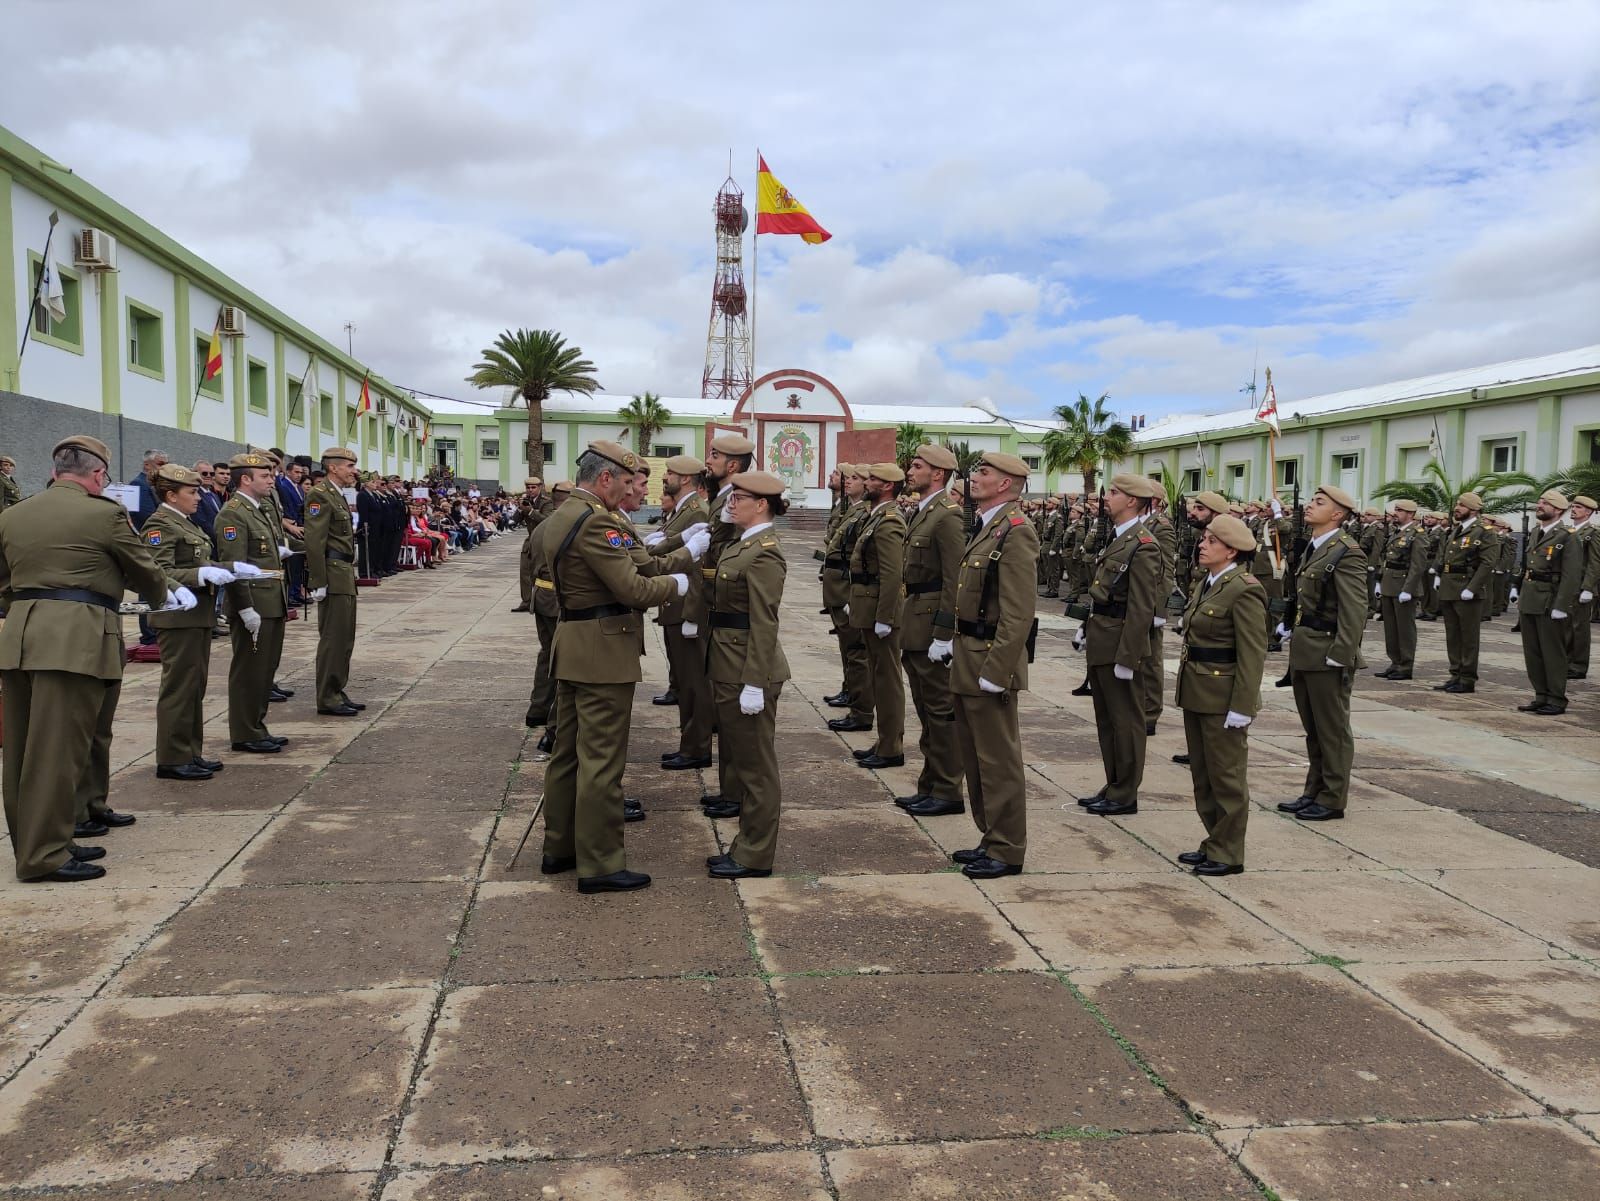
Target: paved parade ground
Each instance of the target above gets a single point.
(314, 977)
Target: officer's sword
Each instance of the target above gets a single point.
(537, 810)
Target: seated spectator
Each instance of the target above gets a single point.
(429, 543)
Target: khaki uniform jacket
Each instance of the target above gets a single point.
(835, 556)
(1230, 617)
(1405, 561)
(1591, 569)
(10, 494)
(879, 556)
(181, 548)
(328, 528)
(836, 515)
(1373, 539)
(1002, 659)
(285, 538)
(1555, 571)
(933, 557)
(1127, 574)
(1332, 593)
(544, 590)
(749, 580)
(1463, 563)
(597, 569)
(692, 607)
(247, 533)
(1160, 525)
(65, 538)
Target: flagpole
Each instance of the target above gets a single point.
(1272, 473)
(356, 416)
(33, 297)
(755, 267)
(310, 360)
(200, 383)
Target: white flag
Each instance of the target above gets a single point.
(1267, 414)
(1435, 451)
(308, 388)
(51, 296)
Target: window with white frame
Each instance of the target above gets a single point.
(1502, 454)
(489, 448)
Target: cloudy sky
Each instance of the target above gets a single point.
(1028, 200)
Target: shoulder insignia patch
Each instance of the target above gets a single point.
(230, 533)
(1017, 520)
(627, 540)
(153, 537)
(614, 537)
(314, 509)
(1145, 538)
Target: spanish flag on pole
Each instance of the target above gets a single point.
(214, 352)
(778, 212)
(364, 405)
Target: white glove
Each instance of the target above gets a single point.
(847, 610)
(689, 630)
(215, 575)
(1121, 672)
(246, 571)
(1377, 590)
(655, 539)
(751, 700)
(1513, 597)
(698, 543)
(881, 630)
(1466, 594)
(698, 527)
(251, 620)
(1403, 597)
(1585, 597)
(1283, 630)
(1435, 576)
(988, 687)
(1158, 622)
(1555, 614)
(183, 598)
(1333, 663)
(682, 581)
(940, 649)
(1277, 511)
(283, 553)
(318, 594)
(1078, 639)
(1235, 721)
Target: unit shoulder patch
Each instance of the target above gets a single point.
(314, 509)
(230, 533)
(153, 537)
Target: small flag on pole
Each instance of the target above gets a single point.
(1267, 414)
(365, 403)
(1435, 449)
(214, 352)
(778, 212)
(427, 428)
(52, 297)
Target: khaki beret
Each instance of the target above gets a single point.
(264, 453)
(1129, 484)
(733, 444)
(1214, 501)
(1371, 513)
(1405, 506)
(759, 483)
(845, 469)
(1586, 501)
(889, 472)
(685, 465)
(177, 473)
(859, 469)
(1230, 531)
(533, 481)
(1235, 508)
(86, 444)
(1008, 464)
(644, 466)
(1338, 496)
(615, 453)
(937, 456)
(343, 453)
(1471, 501)
(1556, 498)
(561, 487)
(250, 458)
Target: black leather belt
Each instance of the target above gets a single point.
(1210, 654)
(1543, 577)
(729, 621)
(863, 577)
(1453, 571)
(976, 629)
(1108, 609)
(339, 556)
(81, 595)
(594, 611)
(924, 588)
(1320, 624)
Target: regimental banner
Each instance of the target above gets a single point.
(792, 456)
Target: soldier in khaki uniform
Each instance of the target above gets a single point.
(10, 494)
(248, 530)
(1374, 538)
(533, 506)
(1405, 564)
(1219, 691)
(934, 540)
(877, 565)
(856, 692)
(1153, 673)
(182, 550)
(996, 596)
(1325, 652)
(596, 662)
(747, 669)
(330, 542)
(546, 612)
(1581, 515)
(683, 620)
(66, 557)
(1549, 597)
(1462, 576)
(1116, 641)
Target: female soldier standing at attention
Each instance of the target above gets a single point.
(1219, 689)
(747, 669)
(183, 551)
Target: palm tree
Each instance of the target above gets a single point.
(1581, 479)
(534, 364)
(908, 435)
(649, 414)
(1172, 488)
(967, 461)
(1502, 491)
(1089, 435)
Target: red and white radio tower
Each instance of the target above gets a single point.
(727, 373)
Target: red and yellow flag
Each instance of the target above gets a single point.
(427, 428)
(365, 403)
(778, 212)
(214, 352)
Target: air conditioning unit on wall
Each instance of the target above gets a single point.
(232, 321)
(383, 404)
(96, 250)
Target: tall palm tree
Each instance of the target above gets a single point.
(534, 364)
(1581, 479)
(649, 414)
(908, 435)
(1502, 491)
(1090, 435)
(967, 461)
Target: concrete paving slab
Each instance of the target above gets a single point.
(1466, 792)
(668, 843)
(1059, 840)
(302, 938)
(166, 1089)
(326, 1186)
(1537, 1023)
(163, 851)
(1537, 1160)
(348, 846)
(963, 1056)
(441, 786)
(1114, 920)
(25, 1025)
(1574, 835)
(1435, 838)
(761, 1176)
(248, 784)
(614, 1068)
(928, 923)
(1384, 917)
(1560, 905)
(1273, 842)
(531, 932)
(56, 947)
(841, 842)
(1233, 1043)
(840, 785)
(1147, 1167)
(392, 744)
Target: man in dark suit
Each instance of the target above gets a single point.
(293, 503)
(154, 460)
(210, 501)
